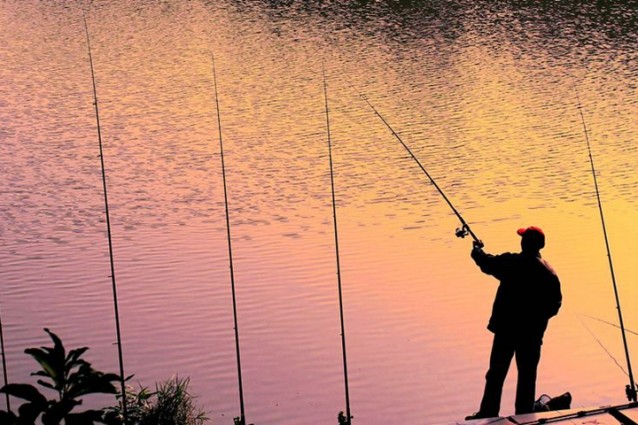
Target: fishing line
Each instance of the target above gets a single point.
(460, 232)
(603, 346)
(348, 417)
(108, 225)
(241, 420)
(4, 363)
(609, 323)
(630, 389)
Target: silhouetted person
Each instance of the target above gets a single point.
(527, 297)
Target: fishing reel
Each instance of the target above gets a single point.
(462, 232)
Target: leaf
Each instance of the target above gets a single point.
(74, 355)
(80, 364)
(92, 383)
(26, 392)
(111, 376)
(58, 355)
(58, 346)
(51, 360)
(45, 384)
(43, 358)
(49, 364)
(57, 411)
(36, 402)
(112, 417)
(8, 418)
(28, 414)
(88, 417)
(76, 378)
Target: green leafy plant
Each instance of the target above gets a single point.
(70, 376)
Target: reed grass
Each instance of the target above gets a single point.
(170, 404)
(174, 405)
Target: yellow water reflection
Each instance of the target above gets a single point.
(484, 97)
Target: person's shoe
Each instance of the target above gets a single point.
(477, 415)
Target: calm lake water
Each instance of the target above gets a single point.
(484, 92)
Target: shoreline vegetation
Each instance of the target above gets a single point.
(70, 377)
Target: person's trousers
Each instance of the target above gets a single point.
(527, 354)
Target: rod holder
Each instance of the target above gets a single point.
(342, 419)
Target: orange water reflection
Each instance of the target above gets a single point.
(491, 114)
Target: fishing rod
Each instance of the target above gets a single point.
(108, 225)
(343, 420)
(630, 389)
(4, 363)
(464, 230)
(614, 411)
(241, 420)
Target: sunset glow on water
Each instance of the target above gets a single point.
(485, 94)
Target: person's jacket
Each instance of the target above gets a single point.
(528, 296)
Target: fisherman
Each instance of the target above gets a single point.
(527, 297)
